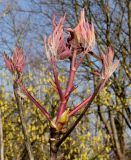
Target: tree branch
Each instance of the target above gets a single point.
(119, 152)
(19, 103)
(1, 138)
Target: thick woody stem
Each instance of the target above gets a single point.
(54, 137)
(53, 155)
(57, 83)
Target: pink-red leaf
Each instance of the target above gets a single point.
(55, 46)
(18, 59)
(108, 66)
(8, 62)
(83, 34)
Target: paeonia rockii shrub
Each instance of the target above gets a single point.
(79, 42)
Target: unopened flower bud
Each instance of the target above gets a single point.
(64, 117)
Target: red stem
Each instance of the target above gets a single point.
(79, 106)
(71, 75)
(87, 100)
(82, 114)
(69, 87)
(38, 105)
(55, 73)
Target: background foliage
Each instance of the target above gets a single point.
(104, 132)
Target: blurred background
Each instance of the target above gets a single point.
(105, 131)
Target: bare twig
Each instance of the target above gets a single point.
(1, 138)
(19, 103)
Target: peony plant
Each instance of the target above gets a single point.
(75, 46)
